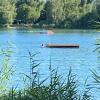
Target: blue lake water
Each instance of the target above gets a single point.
(81, 60)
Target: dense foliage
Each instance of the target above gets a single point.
(52, 13)
(70, 13)
(28, 11)
(7, 12)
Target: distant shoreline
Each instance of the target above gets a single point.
(43, 26)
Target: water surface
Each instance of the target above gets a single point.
(81, 60)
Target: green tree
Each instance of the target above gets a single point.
(28, 11)
(7, 12)
(87, 15)
(54, 12)
(68, 13)
(71, 12)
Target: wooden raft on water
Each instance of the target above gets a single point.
(61, 45)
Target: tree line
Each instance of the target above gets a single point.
(50, 13)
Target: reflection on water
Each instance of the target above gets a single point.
(81, 60)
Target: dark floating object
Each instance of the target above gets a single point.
(61, 45)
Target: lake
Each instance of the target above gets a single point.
(81, 60)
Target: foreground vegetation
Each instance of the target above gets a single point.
(54, 87)
(52, 13)
(55, 90)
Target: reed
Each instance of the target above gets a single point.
(56, 89)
